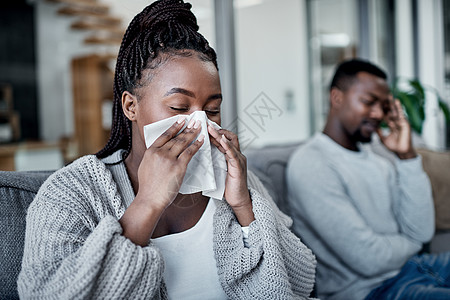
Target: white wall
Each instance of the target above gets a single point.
(57, 45)
(203, 10)
(272, 59)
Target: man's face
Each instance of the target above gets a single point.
(364, 105)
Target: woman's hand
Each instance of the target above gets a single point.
(165, 162)
(236, 189)
(160, 175)
(399, 139)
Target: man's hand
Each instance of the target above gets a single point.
(399, 139)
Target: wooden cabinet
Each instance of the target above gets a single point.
(9, 118)
(93, 79)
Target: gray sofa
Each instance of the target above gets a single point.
(269, 164)
(17, 190)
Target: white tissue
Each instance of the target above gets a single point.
(207, 170)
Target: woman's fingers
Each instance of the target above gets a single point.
(215, 138)
(236, 189)
(169, 133)
(190, 151)
(218, 135)
(231, 137)
(226, 142)
(230, 151)
(180, 142)
(233, 155)
(174, 142)
(163, 168)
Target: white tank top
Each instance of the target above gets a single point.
(190, 268)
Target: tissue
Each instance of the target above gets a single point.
(207, 170)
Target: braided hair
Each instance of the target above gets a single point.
(164, 29)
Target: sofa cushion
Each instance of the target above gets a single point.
(437, 166)
(17, 190)
(269, 164)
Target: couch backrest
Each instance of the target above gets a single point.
(269, 164)
(17, 190)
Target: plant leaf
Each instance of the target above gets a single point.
(410, 106)
(418, 89)
(445, 110)
(413, 99)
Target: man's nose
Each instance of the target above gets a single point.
(377, 112)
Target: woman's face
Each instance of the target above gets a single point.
(181, 85)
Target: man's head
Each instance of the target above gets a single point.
(359, 100)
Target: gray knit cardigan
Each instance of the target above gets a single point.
(74, 248)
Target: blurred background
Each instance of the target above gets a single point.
(276, 59)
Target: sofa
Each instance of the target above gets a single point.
(269, 164)
(17, 190)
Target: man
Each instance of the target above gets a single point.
(365, 217)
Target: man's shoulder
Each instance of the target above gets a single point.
(312, 151)
(310, 161)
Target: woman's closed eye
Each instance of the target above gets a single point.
(181, 109)
(212, 112)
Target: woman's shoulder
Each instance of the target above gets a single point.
(84, 169)
(86, 179)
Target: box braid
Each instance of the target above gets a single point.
(162, 30)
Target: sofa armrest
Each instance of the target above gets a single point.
(17, 191)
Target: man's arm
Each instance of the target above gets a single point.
(413, 204)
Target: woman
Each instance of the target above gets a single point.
(114, 226)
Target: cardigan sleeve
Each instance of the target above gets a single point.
(74, 248)
(274, 256)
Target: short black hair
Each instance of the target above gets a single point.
(347, 71)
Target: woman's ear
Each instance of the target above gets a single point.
(129, 102)
(336, 97)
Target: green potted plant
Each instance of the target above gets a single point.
(411, 94)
